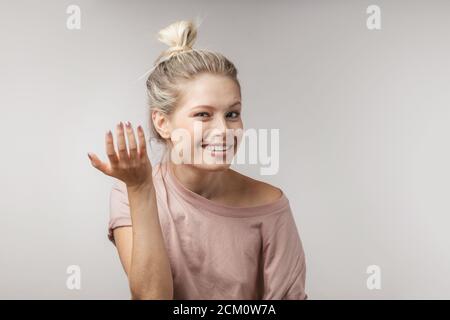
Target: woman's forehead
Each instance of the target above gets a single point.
(213, 92)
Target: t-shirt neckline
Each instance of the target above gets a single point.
(222, 209)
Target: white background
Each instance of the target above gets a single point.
(363, 118)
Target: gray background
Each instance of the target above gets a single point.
(364, 134)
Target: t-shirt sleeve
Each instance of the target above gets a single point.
(284, 261)
(119, 209)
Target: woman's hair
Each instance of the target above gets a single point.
(181, 63)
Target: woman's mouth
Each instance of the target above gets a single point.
(217, 149)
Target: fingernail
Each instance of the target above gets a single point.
(89, 155)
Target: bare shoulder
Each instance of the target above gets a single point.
(257, 192)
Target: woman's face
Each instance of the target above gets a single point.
(207, 121)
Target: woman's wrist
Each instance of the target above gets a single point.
(142, 202)
(145, 188)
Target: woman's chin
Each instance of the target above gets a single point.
(214, 163)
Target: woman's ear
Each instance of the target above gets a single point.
(161, 123)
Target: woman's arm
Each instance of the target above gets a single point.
(150, 276)
(123, 238)
(141, 247)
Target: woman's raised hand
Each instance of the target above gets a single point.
(132, 164)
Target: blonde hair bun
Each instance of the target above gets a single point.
(179, 36)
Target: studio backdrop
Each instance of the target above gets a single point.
(358, 92)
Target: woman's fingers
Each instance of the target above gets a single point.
(131, 142)
(142, 142)
(98, 164)
(125, 156)
(110, 150)
(121, 143)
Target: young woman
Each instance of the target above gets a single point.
(190, 229)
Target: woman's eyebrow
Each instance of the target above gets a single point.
(211, 107)
(234, 104)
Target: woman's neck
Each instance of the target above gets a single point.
(209, 184)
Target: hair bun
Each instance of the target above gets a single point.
(179, 36)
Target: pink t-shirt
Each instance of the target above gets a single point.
(218, 251)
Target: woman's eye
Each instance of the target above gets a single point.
(200, 114)
(236, 114)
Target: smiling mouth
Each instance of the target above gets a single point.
(217, 147)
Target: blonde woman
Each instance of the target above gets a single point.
(197, 230)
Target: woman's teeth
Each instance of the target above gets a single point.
(217, 148)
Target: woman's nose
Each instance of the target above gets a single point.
(220, 124)
(217, 129)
